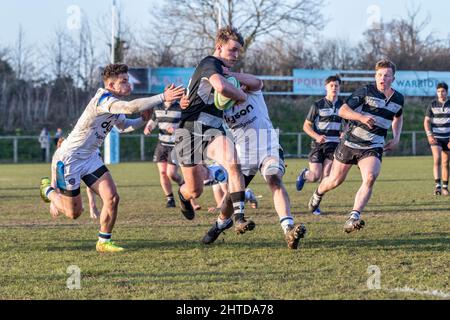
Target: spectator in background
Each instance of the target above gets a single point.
(44, 140)
(58, 135)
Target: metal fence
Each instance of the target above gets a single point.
(137, 147)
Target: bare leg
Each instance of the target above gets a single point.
(106, 188)
(223, 152)
(445, 165)
(337, 175)
(370, 169)
(436, 151)
(327, 167)
(314, 172)
(164, 178)
(280, 195)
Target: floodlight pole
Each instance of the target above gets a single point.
(113, 32)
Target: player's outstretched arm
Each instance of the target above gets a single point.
(139, 105)
(129, 125)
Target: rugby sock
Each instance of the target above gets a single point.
(238, 200)
(221, 224)
(320, 195)
(286, 223)
(104, 237)
(48, 190)
(355, 214)
(438, 183)
(445, 184)
(169, 197)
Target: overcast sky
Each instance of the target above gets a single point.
(347, 18)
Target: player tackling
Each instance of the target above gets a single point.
(77, 159)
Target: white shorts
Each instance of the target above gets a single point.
(267, 162)
(70, 170)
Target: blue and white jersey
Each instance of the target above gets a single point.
(92, 127)
(254, 135)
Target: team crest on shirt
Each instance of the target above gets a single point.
(72, 181)
(374, 102)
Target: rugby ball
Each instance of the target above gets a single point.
(224, 103)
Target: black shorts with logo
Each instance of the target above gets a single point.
(349, 155)
(443, 143)
(164, 153)
(192, 141)
(322, 151)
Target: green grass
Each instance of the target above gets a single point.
(407, 236)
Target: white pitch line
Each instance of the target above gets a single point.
(435, 293)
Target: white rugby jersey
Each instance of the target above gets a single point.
(92, 127)
(252, 130)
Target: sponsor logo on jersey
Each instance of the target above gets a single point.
(241, 113)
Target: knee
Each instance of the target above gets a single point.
(274, 182)
(112, 200)
(74, 213)
(195, 191)
(314, 176)
(163, 174)
(370, 179)
(172, 175)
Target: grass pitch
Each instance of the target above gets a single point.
(407, 236)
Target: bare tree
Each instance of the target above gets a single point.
(22, 56)
(61, 54)
(335, 54)
(400, 40)
(195, 22)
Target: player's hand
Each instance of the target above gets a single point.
(146, 115)
(432, 140)
(368, 121)
(94, 213)
(213, 210)
(173, 93)
(242, 98)
(170, 130)
(184, 102)
(147, 129)
(391, 145)
(321, 139)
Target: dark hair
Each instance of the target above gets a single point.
(385, 63)
(442, 85)
(228, 33)
(114, 70)
(333, 79)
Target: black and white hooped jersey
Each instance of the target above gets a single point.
(201, 95)
(166, 118)
(369, 101)
(440, 118)
(325, 118)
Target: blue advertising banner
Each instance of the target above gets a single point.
(409, 83)
(161, 77)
